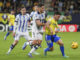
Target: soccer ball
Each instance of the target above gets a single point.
(74, 45)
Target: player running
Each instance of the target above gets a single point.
(51, 34)
(43, 16)
(38, 23)
(21, 21)
(11, 19)
(35, 9)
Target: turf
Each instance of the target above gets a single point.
(19, 54)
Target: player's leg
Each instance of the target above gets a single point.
(49, 44)
(14, 43)
(35, 41)
(12, 46)
(34, 45)
(62, 48)
(38, 42)
(40, 38)
(28, 42)
(34, 48)
(61, 44)
(8, 33)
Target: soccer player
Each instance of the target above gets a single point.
(11, 19)
(20, 28)
(35, 9)
(38, 23)
(51, 34)
(33, 13)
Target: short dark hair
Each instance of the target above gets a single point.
(40, 5)
(57, 13)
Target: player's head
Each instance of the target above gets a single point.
(12, 12)
(57, 15)
(23, 10)
(41, 7)
(35, 8)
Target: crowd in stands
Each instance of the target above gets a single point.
(67, 6)
(7, 5)
(71, 6)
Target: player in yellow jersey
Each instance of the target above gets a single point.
(11, 19)
(51, 34)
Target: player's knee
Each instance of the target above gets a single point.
(61, 44)
(34, 42)
(39, 42)
(15, 42)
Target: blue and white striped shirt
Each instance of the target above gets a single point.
(21, 23)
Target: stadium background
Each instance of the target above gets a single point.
(68, 8)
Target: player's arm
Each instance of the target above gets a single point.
(48, 26)
(58, 29)
(15, 25)
(39, 23)
(29, 21)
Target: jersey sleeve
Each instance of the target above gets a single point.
(31, 14)
(15, 23)
(29, 18)
(36, 17)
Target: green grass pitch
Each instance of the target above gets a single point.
(19, 54)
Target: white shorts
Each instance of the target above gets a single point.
(22, 34)
(37, 36)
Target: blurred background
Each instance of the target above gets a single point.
(69, 9)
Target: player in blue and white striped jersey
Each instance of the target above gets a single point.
(35, 9)
(38, 23)
(34, 15)
(20, 28)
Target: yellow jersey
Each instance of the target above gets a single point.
(53, 25)
(12, 19)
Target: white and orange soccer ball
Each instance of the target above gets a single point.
(74, 45)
